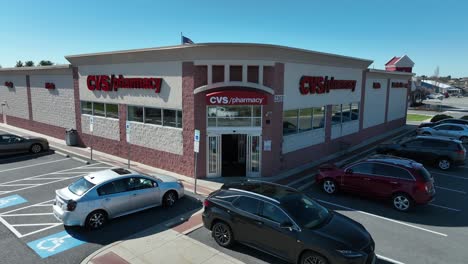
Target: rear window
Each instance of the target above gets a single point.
(425, 174)
(80, 186)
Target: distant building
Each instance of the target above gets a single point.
(402, 64)
(438, 87)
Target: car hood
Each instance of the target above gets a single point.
(345, 231)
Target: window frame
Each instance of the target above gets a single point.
(236, 201)
(93, 112)
(253, 118)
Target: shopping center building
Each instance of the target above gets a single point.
(260, 109)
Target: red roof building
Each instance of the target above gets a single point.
(403, 64)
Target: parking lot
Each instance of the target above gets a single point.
(436, 233)
(31, 234)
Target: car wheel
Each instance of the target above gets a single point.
(464, 140)
(444, 164)
(313, 258)
(222, 234)
(426, 134)
(329, 186)
(96, 220)
(36, 148)
(169, 199)
(402, 202)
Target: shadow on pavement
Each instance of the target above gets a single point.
(24, 156)
(131, 225)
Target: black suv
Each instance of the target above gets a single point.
(285, 223)
(445, 121)
(442, 152)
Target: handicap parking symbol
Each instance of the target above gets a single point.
(11, 200)
(54, 244)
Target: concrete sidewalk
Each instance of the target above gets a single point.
(161, 244)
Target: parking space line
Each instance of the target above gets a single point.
(40, 230)
(27, 214)
(389, 259)
(444, 207)
(54, 180)
(12, 229)
(452, 190)
(41, 224)
(18, 184)
(67, 172)
(29, 206)
(448, 175)
(385, 218)
(33, 165)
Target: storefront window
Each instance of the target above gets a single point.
(319, 118)
(355, 111)
(135, 113)
(86, 108)
(99, 109)
(153, 116)
(346, 112)
(232, 116)
(169, 118)
(179, 119)
(336, 115)
(305, 119)
(290, 122)
(112, 111)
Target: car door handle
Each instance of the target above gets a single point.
(393, 182)
(259, 223)
(108, 199)
(134, 194)
(367, 179)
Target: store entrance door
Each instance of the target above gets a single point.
(233, 155)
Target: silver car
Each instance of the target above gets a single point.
(12, 144)
(454, 131)
(100, 196)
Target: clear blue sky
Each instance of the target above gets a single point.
(430, 32)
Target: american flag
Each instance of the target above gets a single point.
(186, 40)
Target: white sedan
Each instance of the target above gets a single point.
(100, 196)
(455, 131)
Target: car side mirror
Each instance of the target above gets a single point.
(287, 225)
(349, 171)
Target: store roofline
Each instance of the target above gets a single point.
(220, 44)
(391, 72)
(37, 68)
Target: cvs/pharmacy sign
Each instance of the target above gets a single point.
(236, 98)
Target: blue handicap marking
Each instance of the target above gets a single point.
(11, 200)
(54, 244)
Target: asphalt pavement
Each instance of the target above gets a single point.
(31, 234)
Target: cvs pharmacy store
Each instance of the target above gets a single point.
(260, 109)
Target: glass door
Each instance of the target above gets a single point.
(214, 156)
(254, 151)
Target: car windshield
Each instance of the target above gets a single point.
(80, 186)
(305, 211)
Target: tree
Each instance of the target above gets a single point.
(29, 63)
(45, 63)
(19, 64)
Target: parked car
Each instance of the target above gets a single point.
(453, 131)
(285, 223)
(442, 152)
(435, 96)
(444, 121)
(100, 196)
(403, 181)
(12, 144)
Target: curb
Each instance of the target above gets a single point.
(163, 225)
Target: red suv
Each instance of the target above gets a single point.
(403, 181)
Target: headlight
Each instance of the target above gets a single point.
(350, 253)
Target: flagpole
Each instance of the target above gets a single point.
(181, 38)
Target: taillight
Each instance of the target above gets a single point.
(422, 186)
(71, 205)
(206, 203)
(460, 152)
